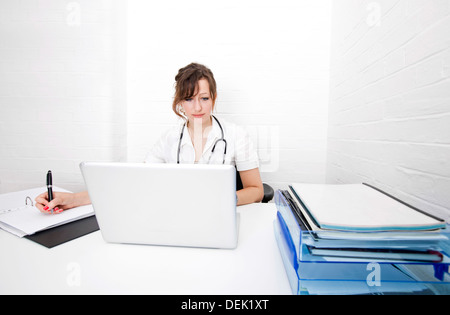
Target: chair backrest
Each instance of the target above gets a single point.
(239, 184)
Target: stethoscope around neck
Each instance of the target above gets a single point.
(215, 143)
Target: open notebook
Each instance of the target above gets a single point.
(360, 208)
(19, 216)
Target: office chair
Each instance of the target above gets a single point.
(268, 191)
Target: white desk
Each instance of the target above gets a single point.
(88, 265)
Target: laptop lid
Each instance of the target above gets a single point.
(164, 204)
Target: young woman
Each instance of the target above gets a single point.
(202, 138)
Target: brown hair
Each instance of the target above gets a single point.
(187, 83)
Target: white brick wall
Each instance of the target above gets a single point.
(64, 78)
(271, 63)
(62, 89)
(67, 94)
(389, 119)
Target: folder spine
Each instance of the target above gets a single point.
(406, 204)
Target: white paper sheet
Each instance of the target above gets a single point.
(21, 219)
(360, 208)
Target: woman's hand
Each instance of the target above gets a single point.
(61, 201)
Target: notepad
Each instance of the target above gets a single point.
(361, 208)
(19, 216)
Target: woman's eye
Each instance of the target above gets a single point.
(205, 99)
(188, 99)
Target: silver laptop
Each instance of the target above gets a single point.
(164, 204)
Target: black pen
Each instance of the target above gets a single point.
(49, 187)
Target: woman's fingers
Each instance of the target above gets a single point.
(43, 205)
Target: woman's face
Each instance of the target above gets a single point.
(200, 106)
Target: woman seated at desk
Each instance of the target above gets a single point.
(201, 139)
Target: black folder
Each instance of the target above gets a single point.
(65, 233)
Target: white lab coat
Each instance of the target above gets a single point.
(241, 151)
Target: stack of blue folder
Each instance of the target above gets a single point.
(354, 261)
